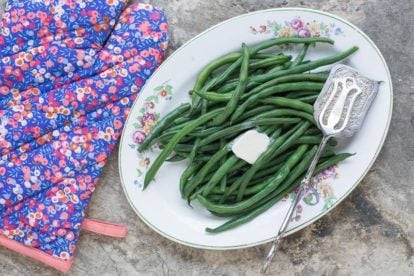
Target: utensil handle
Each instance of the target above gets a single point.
(305, 182)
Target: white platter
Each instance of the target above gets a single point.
(160, 205)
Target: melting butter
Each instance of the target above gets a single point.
(250, 145)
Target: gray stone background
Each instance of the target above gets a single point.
(371, 232)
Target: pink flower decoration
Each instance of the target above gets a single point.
(296, 24)
(304, 33)
(138, 136)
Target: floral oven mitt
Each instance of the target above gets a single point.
(69, 72)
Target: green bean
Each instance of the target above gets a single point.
(216, 81)
(232, 69)
(327, 153)
(214, 96)
(166, 137)
(284, 40)
(290, 141)
(268, 130)
(313, 131)
(214, 198)
(232, 104)
(210, 67)
(252, 189)
(198, 178)
(228, 86)
(249, 216)
(235, 129)
(272, 164)
(308, 99)
(309, 140)
(278, 146)
(270, 43)
(219, 174)
(217, 97)
(256, 72)
(298, 94)
(233, 174)
(313, 77)
(273, 183)
(213, 82)
(270, 61)
(223, 182)
(254, 50)
(285, 112)
(205, 132)
(174, 141)
(238, 166)
(293, 175)
(332, 161)
(298, 173)
(176, 158)
(188, 172)
(244, 218)
(280, 192)
(188, 148)
(278, 159)
(273, 90)
(265, 56)
(304, 67)
(203, 111)
(270, 169)
(290, 103)
(253, 112)
(307, 66)
(278, 68)
(162, 124)
(195, 148)
(263, 175)
(181, 120)
(302, 166)
(203, 158)
(315, 139)
(263, 158)
(178, 126)
(298, 60)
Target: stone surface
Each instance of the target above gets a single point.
(371, 232)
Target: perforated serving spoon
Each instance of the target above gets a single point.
(339, 111)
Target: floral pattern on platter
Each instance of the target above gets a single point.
(297, 27)
(320, 192)
(146, 120)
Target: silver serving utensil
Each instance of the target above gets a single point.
(339, 111)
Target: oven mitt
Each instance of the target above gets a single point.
(69, 72)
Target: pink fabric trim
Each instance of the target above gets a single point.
(104, 228)
(91, 225)
(36, 254)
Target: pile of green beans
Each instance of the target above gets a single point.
(250, 89)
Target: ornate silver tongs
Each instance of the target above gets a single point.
(339, 111)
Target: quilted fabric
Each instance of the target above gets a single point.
(69, 72)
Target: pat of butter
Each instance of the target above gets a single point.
(250, 145)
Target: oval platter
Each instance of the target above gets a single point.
(160, 206)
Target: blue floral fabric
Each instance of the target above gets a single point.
(69, 72)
